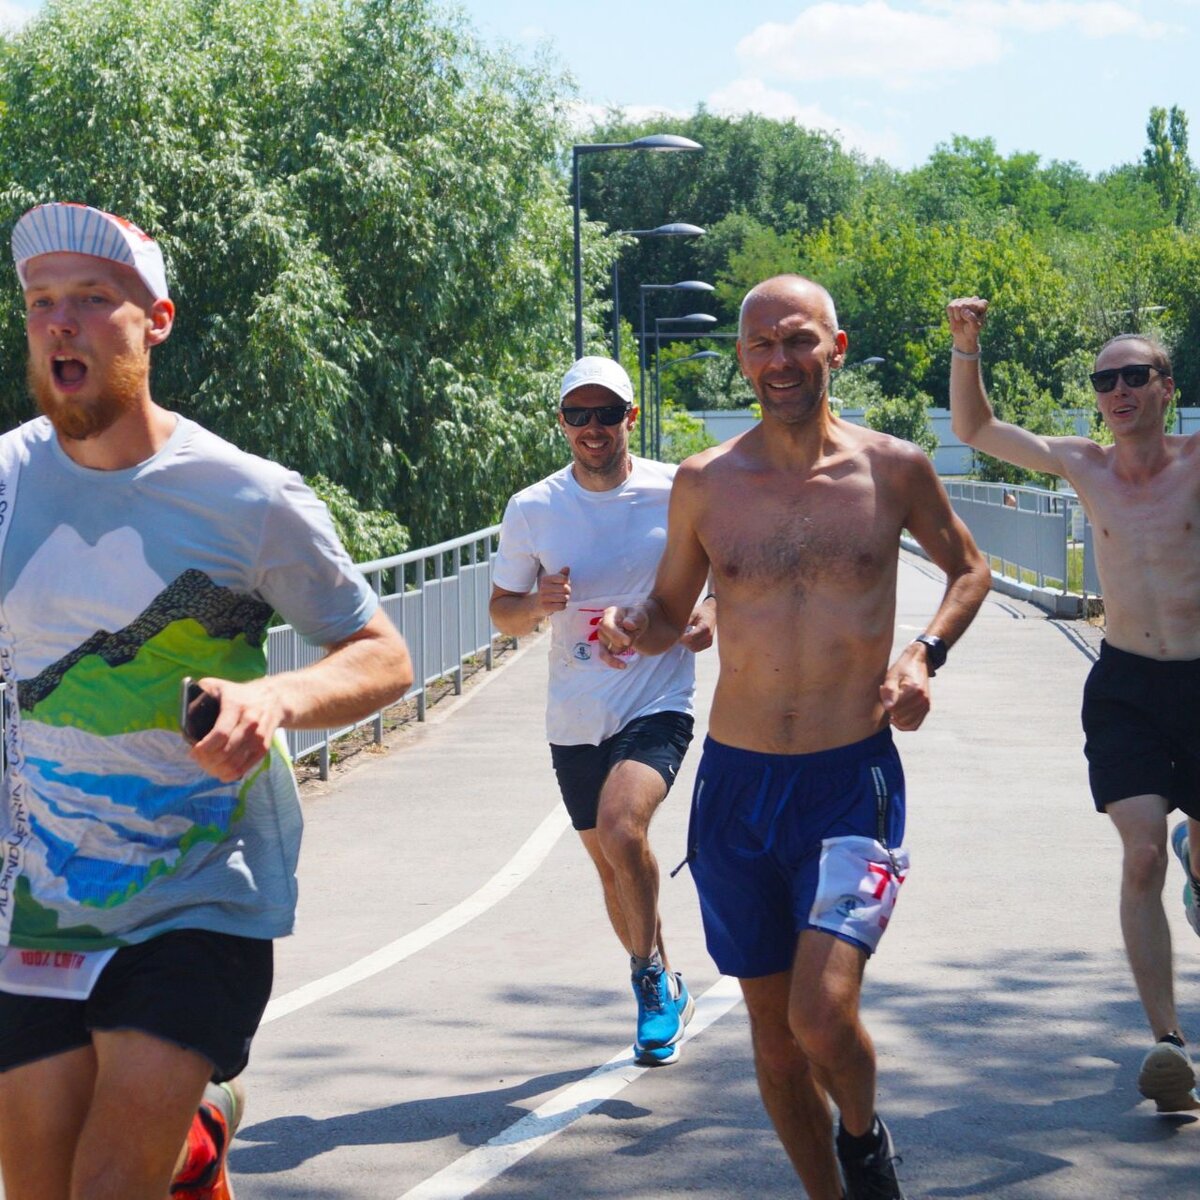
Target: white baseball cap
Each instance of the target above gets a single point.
(606, 372)
(79, 229)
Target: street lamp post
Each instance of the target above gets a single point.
(653, 141)
(675, 362)
(692, 319)
(674, 229)
(684, 285)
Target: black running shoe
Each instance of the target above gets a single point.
(874, 1176)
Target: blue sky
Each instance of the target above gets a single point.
(1067, 79)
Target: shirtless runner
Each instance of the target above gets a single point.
(1142, 496)
(798, 812)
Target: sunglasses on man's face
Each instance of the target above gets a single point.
(1135, 375)
(606, 414)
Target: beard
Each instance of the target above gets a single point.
(608, 467)
(124, 387)
(812, 391)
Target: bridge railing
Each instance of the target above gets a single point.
(437, 597)
(1031, 532)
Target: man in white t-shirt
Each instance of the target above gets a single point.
(582, 539)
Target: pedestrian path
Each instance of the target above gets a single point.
(453, 1015)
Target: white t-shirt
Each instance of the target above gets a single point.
(612, 542)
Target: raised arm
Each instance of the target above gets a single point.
(656, 624)
(971, 415)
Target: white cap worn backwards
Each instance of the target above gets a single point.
(78, 229)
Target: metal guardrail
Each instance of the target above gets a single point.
(437, 597)
(1028, 529)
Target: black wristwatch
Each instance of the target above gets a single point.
(935, 651)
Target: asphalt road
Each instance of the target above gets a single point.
(453, 1016)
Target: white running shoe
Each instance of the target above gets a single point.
(1168, 1078)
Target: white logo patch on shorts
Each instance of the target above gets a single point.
(857, 885)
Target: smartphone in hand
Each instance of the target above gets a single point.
(198, 711)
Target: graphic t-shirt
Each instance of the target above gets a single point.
(113, 586)
(612, 542)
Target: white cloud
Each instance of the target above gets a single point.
(584, 115)
(865, 41)
(879, 40)
(13, 15)
(1092, 18)
(752, 95)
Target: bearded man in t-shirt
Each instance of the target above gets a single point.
(147, 859)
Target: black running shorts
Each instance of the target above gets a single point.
(203, 991)
(659, 740)
(1143, 733)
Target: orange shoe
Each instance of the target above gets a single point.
(206, 1175)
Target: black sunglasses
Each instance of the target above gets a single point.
(606, 414)
(1135, 375)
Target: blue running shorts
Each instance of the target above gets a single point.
(780, 843)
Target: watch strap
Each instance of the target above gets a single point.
(935, 651)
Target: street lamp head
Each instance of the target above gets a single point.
(692, 358)
(873, 361)
(674, 229)
(662, 141)
(684, 285)
(695, 318)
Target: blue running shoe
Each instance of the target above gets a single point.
(1179, 843)
(664, 1009)
(661, 1056)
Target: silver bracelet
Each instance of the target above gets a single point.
(957, 353)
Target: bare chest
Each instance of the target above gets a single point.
(1152, 526)
(824, 535)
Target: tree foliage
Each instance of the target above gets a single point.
(904, 417)
(364, 220)
(367, 222)
(1168, 167)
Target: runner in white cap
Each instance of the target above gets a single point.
(143, 877)
(585, 537)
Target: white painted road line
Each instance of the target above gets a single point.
(479, 1167)
(518, 868)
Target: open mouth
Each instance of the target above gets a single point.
(68, 372)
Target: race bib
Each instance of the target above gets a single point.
(55, 974)
(857, 888)
(581, 636)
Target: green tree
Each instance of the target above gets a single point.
(683, 434)
(754, 173)
(722, 384)
(1168, 166)
(366, 535)
(365, 221)
(904, 417)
